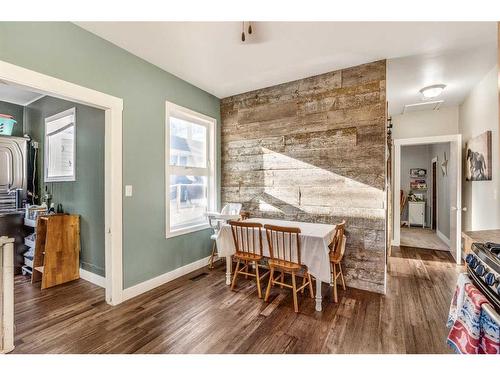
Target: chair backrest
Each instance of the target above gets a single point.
(231, 209)
(284, 243)
(337, 246)
(247, 237)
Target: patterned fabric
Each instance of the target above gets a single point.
(473, 331)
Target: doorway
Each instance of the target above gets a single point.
(427, 201)
(434, 195)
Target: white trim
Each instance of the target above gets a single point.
(186, 230)
(113, 107)
(210, 171)
(6, 294)
(397, 183)
(93, 278)
(445, 239)
(435, 160)
(150, 284)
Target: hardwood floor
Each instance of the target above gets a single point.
(423, 238)
(199, 314)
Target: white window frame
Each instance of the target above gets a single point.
(177, 111)
(72, 177)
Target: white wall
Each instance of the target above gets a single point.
(415, 157)
(426, 123)
(478, 113)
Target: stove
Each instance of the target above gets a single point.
(483, 267)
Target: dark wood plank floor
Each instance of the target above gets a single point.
(199, 314)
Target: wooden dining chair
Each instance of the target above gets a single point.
(248, 245)
(337, 248)
(284, 251)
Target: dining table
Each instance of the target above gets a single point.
(314, 241)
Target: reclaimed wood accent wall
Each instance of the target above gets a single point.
(314, 150)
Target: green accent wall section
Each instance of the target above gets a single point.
(16, 111)
(85, 196)
(65, 51)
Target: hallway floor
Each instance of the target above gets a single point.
(423, 238)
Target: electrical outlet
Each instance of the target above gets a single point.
(128, 190)
(34, 144)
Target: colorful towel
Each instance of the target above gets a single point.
(458, 298)
(473, 331)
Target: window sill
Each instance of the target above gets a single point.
(187, 230)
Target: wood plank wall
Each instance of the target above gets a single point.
(314, 150)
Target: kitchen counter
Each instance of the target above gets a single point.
(469, 237)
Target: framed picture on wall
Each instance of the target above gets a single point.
(478, 158)
(418, 172)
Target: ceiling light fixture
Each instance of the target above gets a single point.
(250, 30)
(433, 91)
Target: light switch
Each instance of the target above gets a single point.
(128, 190)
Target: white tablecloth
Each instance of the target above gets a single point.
(314, 241)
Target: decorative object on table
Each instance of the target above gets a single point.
(418, 172)
(282, 259)
(230, 211)
(478, 158)
(248, 243)
(337, 248)
(444, 165)
(474, 323)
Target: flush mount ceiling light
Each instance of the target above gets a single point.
(433, 91)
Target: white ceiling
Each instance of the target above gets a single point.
(210, 55)
(13, 94)
(458, 70)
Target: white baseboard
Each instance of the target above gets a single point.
(155, 282)
(445, 239)
(92, 278)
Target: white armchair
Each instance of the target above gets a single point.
(230, 211)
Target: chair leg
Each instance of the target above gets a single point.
(235, 275)
(259, 292)
(268, 290)
(311, 291)
(342, 276)
(212, 256)
(294, 288)
(282, 279)
(304, 280)
(335, 283)
(331, 274)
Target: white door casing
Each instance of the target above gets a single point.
(24, 78)
(455, 175)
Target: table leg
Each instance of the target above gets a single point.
(319, 296)
(229, 266)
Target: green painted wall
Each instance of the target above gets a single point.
(16, 111)
(85, 196)
(66, 51)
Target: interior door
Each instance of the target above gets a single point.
(455, 186)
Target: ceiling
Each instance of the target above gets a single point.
(211, 56)
(13, 94)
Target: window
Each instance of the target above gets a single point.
(190, 170)
(60, 145)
